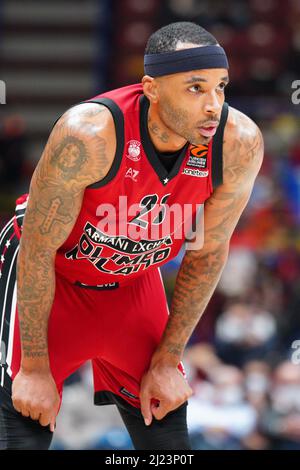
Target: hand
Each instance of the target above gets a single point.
(164, 384)
(35, 395)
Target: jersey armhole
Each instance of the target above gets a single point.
(119, 125)
(217, 150)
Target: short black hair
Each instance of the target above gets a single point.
(166, 38)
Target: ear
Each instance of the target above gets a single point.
(150, 88)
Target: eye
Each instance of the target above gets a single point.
(222, 86)
(195, 89)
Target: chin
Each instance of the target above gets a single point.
(201, 140)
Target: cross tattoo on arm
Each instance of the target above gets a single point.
(52, 215)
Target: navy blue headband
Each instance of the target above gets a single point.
(184, 60)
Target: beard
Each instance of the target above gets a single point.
(178, 121)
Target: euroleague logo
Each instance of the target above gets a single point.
(197, 162)
(198, 156)
(133, 150)
(199, 150)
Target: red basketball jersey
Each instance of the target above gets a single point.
(138, 216)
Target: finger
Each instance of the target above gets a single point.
(160, 412)
(154, 404)
(16, 405)
(35, 415)
(25, 412)
(165, 407)
(44, 419)
(52, 424)
(146, 408)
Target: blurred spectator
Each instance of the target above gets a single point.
(199, 360)
(239, 272)
(244, 332)
(218, 415)
(257, 384)
(281, 420)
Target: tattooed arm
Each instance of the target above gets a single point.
(200, 270)
(79, 152)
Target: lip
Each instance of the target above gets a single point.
(208, 131)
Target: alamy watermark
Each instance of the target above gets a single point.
(296, 93)
(153, 221)
(295, 358)
(2, 92)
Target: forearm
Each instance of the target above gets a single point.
(35, 293)
(196, 281)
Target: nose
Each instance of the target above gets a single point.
(213, 104)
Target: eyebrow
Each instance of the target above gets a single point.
(196, 78)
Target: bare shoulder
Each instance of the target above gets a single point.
(79, 152)
(87, 113)
(243, 147)
(82, 144)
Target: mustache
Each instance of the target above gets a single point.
(211, 122)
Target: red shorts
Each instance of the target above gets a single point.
(117, 329)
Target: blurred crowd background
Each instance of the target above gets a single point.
(243, 360)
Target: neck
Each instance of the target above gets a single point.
(163, 138)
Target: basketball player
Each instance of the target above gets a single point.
(88, 291)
